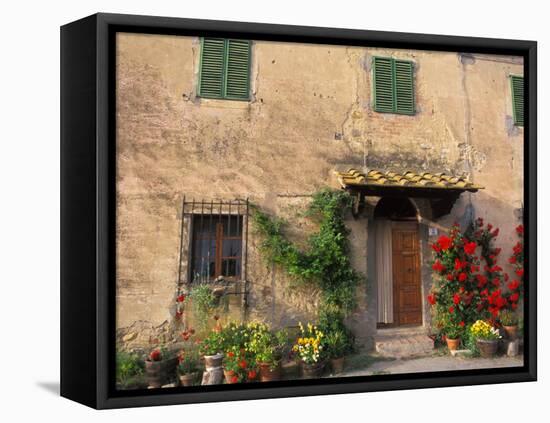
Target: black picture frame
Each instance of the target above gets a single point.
(88, 210)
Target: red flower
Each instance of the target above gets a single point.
(470, 247)
(451, 309)
(444, 242)
(178, 313)
(495, 232)
(512, 286)
(461, 324)
(496, 282)
(500, 302)
(520, 230)
(482, 280)
(456, 299)
(438, 267)
(479, 222)
(514, 306)
(231, 354)
(431, 299)
(520, 272)
(458, 264)
(234, 379)
(181, 298)
(462, 277)
(436, 248)
(242, 364)
(155, 355)
(495, 269)
(514, 297)
(251, 375)
(450, 277)
(512, 260)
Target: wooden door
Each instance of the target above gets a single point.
(407, 298)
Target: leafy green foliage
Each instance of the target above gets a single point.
(129, 366)
(203, 302)
(326, 259)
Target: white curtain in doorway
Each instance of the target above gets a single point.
(384, 277)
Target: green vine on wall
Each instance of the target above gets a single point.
(325, 261)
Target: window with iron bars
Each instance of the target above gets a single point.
(217, 240)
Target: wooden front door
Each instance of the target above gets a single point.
(407, 297)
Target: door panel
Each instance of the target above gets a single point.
(406, 274)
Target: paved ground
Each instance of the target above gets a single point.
(434, 364)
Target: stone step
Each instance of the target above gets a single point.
(403, 345)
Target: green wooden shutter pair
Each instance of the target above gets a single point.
(393, 86)
(224, 69)
(517, 99)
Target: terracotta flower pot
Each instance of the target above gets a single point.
(188, 379)
(511, 332)
(337, 365)
(487, 348)
(230, 376)
(452, 344)
(213, 360)
(267, 374)
(312, 371)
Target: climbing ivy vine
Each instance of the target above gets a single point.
(325, 260)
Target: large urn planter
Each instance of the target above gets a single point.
(269, 374)
(213, 360)
(159, 373)
(452, 344)
(337, 365)
(312, 371)
(487, 348)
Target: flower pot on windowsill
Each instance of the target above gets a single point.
(188, 379)
(269, 373)
(452, 344)
(312, 371)
(487, 347)
(337, 365)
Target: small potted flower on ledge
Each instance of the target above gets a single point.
(509, 321)
(453, 334)
(309, 348)
(338, 345)
(486, 337)
(188, 366)
(239, 367)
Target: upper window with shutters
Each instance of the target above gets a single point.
(517, 99)
(393, 86)
(224, 71)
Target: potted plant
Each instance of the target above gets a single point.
(453, 333)
(188, 366)
(267, 347)
(309, 347)
(337, 345)
(509, 321)
(212, 348)
(486, 337)
(238, 366)
(155, 367)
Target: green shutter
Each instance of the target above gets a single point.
(238, 69)
(404, 89)
(212, 67)
(383, 85)
(517, 99)
(224, 69)
(393, 86)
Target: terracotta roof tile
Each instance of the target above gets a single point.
(427, 180)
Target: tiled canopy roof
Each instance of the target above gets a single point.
(408, 179)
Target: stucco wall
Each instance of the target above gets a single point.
(310, 112)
